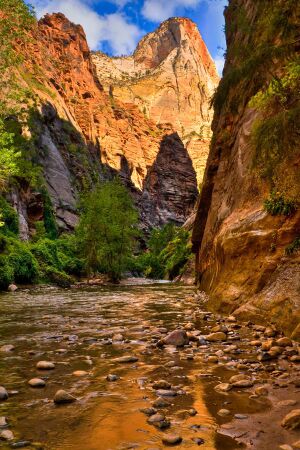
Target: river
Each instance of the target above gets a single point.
(79, 330)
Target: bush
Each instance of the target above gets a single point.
(57, 277)
(9, 217)
(25, 266)
(294, 247)
(46, 252)
(277, 205)
(6, 273)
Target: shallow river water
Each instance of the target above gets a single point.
(74, 329)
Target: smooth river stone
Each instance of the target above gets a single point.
(62, 397)
(3, 393)
(45, 365)
(171, 439)
(126, 359)
(37, 383)
(7, 348)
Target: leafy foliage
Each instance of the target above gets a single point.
(107, 229)
(9, 156)
(294, 247)
(277, 205)
(9, 217)
(6, 272)
(25, 266)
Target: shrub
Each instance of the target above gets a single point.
(6, 273)
(57, 277)
(9, 217)
(277, 205)
(294, 247)
(46, 252)
(24, 264)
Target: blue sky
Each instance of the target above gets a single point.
(115, 26)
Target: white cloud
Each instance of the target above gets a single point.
(157, 10)
(114, 29)
(219, 62)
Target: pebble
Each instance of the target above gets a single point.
(160, 403)
(223, 412)
(223, 387)
(63, 397)
(166, 393)
(80, 373)
(285, 447)
(149, 411)
(179, 338)
(112, 377)
(7, 348)
(261, 391)
(126, 359)
(3, 394)
(240, 416)
(161, 384)
(292, 420)
(6, 435)
(3, 422)
(12, 288)
(284, 342)
(171, 439)
(20, 444)
(159, 421)
(37, 383)
(45, 365)
(215, 337)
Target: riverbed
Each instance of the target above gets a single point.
(84, 331)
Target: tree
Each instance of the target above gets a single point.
(9, 156)
(107, 229)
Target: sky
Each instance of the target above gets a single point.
(116, 26)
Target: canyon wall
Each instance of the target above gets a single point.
(87, 131)
(247, 229)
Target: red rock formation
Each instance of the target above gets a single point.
(240, 248)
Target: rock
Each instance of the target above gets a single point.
(118, 337)
(223, 387)
(3, 394)
(7, 348)
(275, 351)
(266, 356)
(126, 359)
(161, 384)
(296, 444)
(6, 435)
(12, 288)
(223, 412)
(166, 393)
(189, 326)
(270, 332)
(285, 403)
(179, 338)
(3, 422)
(159, 421)
(213, 359)
(215, 337)
(45, 365)
(265, 346)
(285, 447)
(21, 444)
(149, 411)
(256, 343)
(80, 373)
(240, 416)
(198, 441)
(171, 439)
(62, 397)
(261, 391)
(245, 383)
(37, 383)
(192, 412)
(284, 342)
(160, 403)
(292, 420)
(295, 358)
(112, 377)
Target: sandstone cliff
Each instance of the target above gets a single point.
(247, 228)
(170, 78)
(85, 132)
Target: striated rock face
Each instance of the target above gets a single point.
(170, 78)
(87, 129)
(241, 258)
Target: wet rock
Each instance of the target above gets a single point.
(118, 337)
(3, 422)
(159, 421)
(112, 377)
(171, 439)
(223, 387)
(266, 356)
(161, 384)
(256, 343)
(219, 328)
(285, 447)
(296, 444)
(284, 342)
(149, 411)
(295, 358)
(231, 319)
(265, 346)
(216, 337)
(285, 403)
(45, 365)
(37, 383)
(62, 397)
(270, 332)
(166, 393)
(275, 350)
(6, 435)
(189, 326)
(20, 444)
(7, 348)
(126, 359)
(12, 288)
(261, 391)
(179, 338)
(160, 403)
(213, 359)
(3, 394)
(240, 416)
(292, 420)
(223, 412)
(80, 373)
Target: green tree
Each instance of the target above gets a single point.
(9, 156)
(107, 229)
